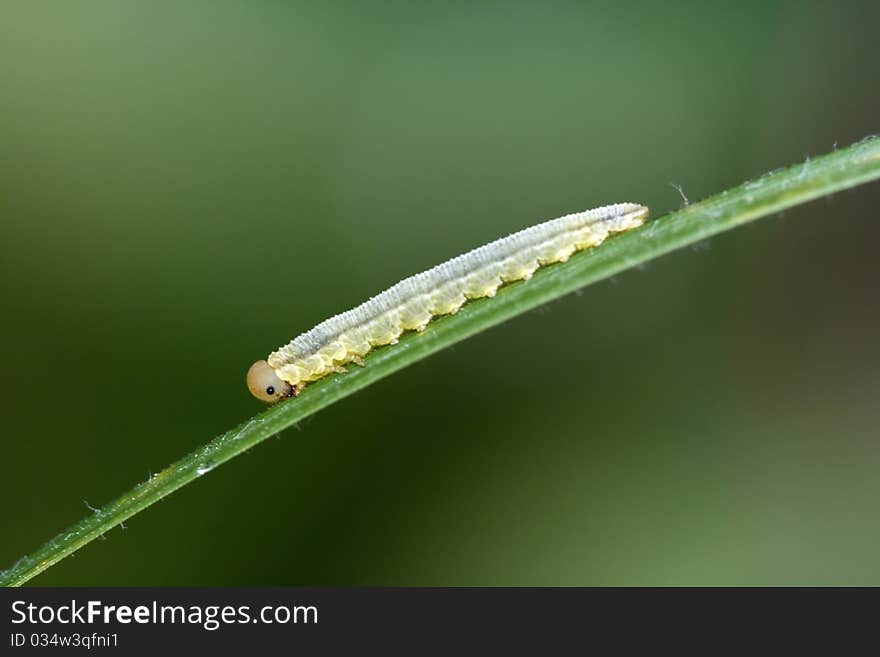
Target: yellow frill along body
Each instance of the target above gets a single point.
(442, 290)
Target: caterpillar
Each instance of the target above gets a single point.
(413, 302)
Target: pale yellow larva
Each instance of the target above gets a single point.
(412, 303)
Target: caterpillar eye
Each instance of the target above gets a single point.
(265, 385)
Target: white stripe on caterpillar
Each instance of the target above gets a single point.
(413, 302)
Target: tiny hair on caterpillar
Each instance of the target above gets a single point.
(413, 302)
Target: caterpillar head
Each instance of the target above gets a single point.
(265, 385)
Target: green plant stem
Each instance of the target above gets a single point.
(776, 191)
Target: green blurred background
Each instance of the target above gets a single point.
(186, 186)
